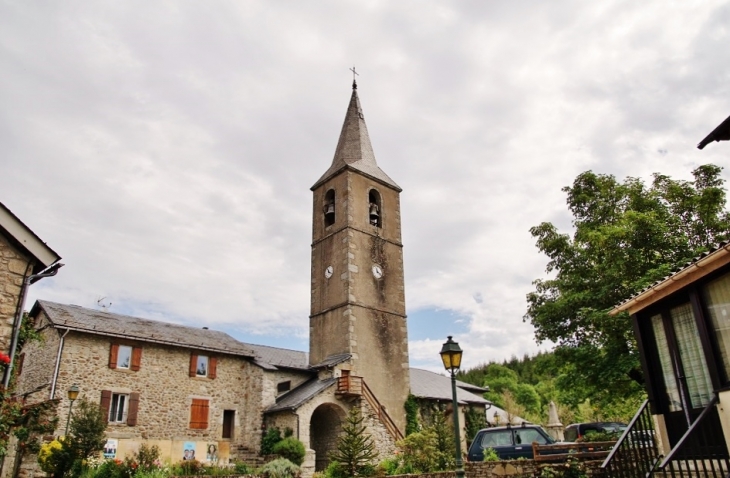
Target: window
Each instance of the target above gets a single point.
(203, 366)
(374, 208)
(228, 423)
(199, 414)
(717, 294)
(125, 357)
(693, 359)
(329, 208)
(665, 362)
(120, 407)
(497, 438)
(529, 435)
(282, 387)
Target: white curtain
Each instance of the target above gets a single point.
(693, 358)
(665, 360)
(717, 296)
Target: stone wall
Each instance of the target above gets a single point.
(509, 469)
(14, 267)
(165, 392)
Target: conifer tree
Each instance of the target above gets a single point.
(355, 448)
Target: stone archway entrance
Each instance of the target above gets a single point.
(324, 429)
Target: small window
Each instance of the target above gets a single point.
(282, 387)
(201, 369)
(329, 208)
(203, 366)
(374, 208)
(118, 408)
(124, 356)
(199, 414)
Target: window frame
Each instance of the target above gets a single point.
(114, 408)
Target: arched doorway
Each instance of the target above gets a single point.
(324, 429)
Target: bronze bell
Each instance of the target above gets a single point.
(329, 209)
(374, 216)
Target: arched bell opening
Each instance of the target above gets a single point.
(329, 208)
(374, 208)
(325, 427)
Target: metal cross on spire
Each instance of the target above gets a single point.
(354, 83)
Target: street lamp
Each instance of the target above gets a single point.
(73, 393)
(451, 357)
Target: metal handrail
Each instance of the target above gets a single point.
(635, 453)
(690, 431)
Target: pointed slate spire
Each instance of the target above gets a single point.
(354, 150)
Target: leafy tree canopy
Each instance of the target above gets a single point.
(626, 236)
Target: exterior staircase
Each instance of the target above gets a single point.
(354, 386)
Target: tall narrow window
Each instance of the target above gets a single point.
(665, 361)
(717, 294)
(329, 208)
(374, 208)
(694, 365)
(228, 423)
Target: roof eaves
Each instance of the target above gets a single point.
(24, 237)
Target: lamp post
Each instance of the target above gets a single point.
(73, 393)
(451, 357)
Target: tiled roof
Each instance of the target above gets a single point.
(105, 323)
(715, 249)
(301, 395)
(271, 358)
(354, 150)
(425, 384)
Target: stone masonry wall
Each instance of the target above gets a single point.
(14, 267)
(166, 393)
(37, 373)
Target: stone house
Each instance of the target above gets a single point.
(682, 327)
(23, 259)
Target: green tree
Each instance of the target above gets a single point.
(355, 448)
(86, 431)
(626, 236)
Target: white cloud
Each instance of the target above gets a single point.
(166, 149)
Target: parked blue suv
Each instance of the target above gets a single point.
(510, 442)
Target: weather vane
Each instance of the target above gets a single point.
(354, 83)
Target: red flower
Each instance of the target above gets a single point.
(4, 358)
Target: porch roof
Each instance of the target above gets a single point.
(301, 395)
(700, 266)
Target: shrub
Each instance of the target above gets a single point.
(148, 457)
(490, 454)
(189, 467)
(419, 452)
(241, 468)
(291, 449)
(389, 466)
(280, 468)
(109, 469)
(270, 438)
(335, 470)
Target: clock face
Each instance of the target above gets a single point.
(377, 271)
(328, 272)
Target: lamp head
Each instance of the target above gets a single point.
(451, 355)
(73, 392)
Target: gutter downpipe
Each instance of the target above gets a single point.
(58, 364)
(48, 272)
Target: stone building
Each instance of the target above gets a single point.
(186, 388)
(23, 259)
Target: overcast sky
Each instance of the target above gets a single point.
(166, 149)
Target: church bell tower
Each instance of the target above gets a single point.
(358, 297)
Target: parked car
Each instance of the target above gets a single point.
(509, 442)
(576, 431)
